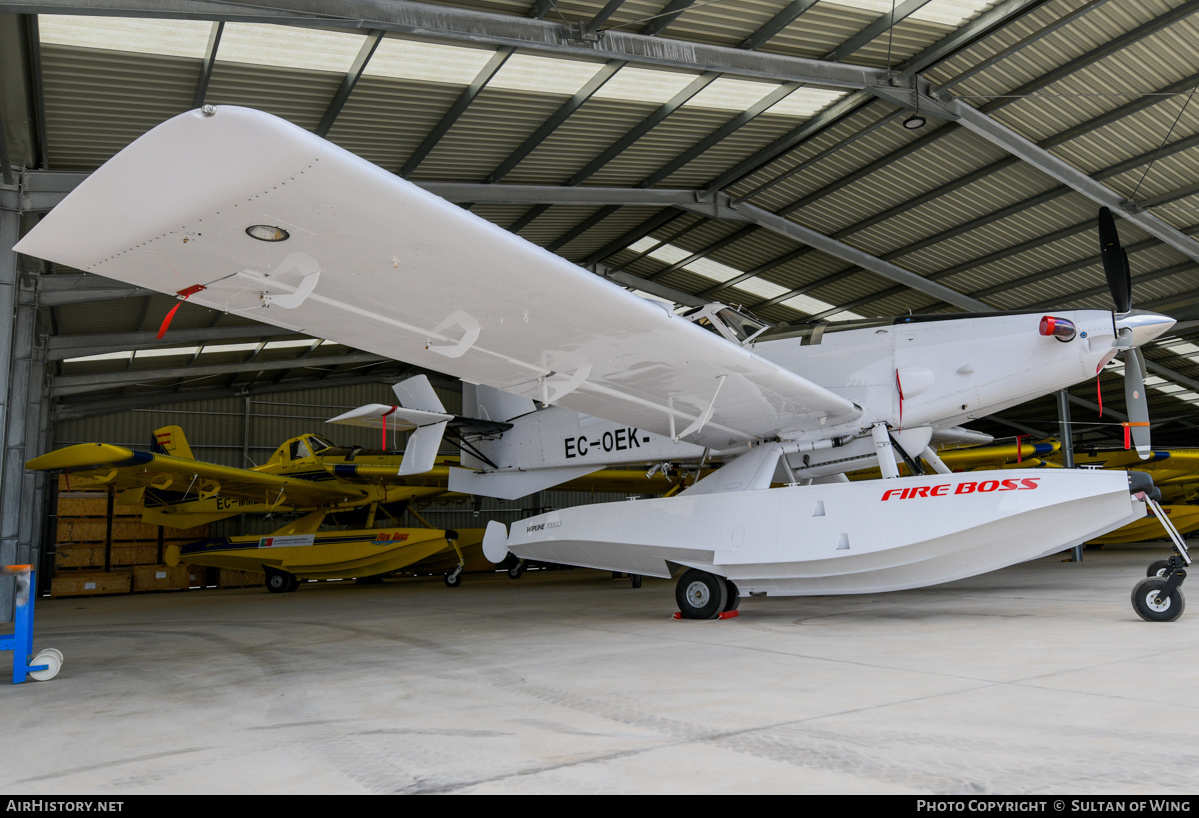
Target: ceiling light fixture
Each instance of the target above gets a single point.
(913, 122)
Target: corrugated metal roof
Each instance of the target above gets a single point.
(930, 200)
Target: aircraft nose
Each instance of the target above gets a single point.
(1144, 326)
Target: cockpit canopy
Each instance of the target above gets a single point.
(300, 447)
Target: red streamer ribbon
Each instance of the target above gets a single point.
(182, 295)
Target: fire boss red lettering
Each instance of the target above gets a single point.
(968, 487)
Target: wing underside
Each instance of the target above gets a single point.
(379, 264)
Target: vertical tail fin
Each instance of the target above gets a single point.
(171, 440)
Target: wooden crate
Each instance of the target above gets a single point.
(198, 576)
(240, 579)
(161, 578)
(134, 553)
(82, 504)
(91, 584)
(81, 529)
(125, 529)
(79, 555)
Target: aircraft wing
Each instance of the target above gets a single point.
(998, 456)
(244, 212)
(104, 463)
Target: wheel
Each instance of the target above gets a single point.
(1147, 605)
(52, 659)
(636, 580)
(701, 595)
(734, 599)
(1158, 569)
(516, 571)
(281, 582)
(454, 578)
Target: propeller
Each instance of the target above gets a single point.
(1115, 262)
(1131, 332)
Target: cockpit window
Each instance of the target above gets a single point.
(300, 449)
(319, 444)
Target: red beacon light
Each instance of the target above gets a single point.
(1059, 328)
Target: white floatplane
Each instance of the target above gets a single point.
(240, 211)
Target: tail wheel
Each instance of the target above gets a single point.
(1150, 606)
(701, 595)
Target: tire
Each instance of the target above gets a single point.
(516, 571)
(701, 595)
(734, 600)
(1145, 602)
(281, 582)
(453, 579)
(1158, 569)
(636, 580)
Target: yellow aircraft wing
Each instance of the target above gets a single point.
(1005, 455)
(106, 464)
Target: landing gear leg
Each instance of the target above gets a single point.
(1158, 597)
(454, 578)
(516, 571)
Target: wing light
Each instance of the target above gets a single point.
(267, 232)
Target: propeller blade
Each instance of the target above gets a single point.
(1136, 402)
(1115, 261)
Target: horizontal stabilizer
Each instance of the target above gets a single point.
(513, 485)
(376, 415)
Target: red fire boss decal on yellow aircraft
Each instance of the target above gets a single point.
(969, 487)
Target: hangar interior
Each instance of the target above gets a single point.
(808, 161)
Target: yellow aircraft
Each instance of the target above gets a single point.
(306, 475)
(1029, 455)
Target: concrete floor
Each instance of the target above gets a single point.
(1039, 679)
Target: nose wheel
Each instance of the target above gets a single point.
(1158, 600)
(1158, 597)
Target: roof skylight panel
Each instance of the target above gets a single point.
(716, 271)
(172, 38)
(106, 356)
(1184, 348)
(727, 94)
(644, 85)
(246, 347)
(547, 75)
(805, 102)
(289, 47)
(430, 62)
(165, 353)
(946, 12)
